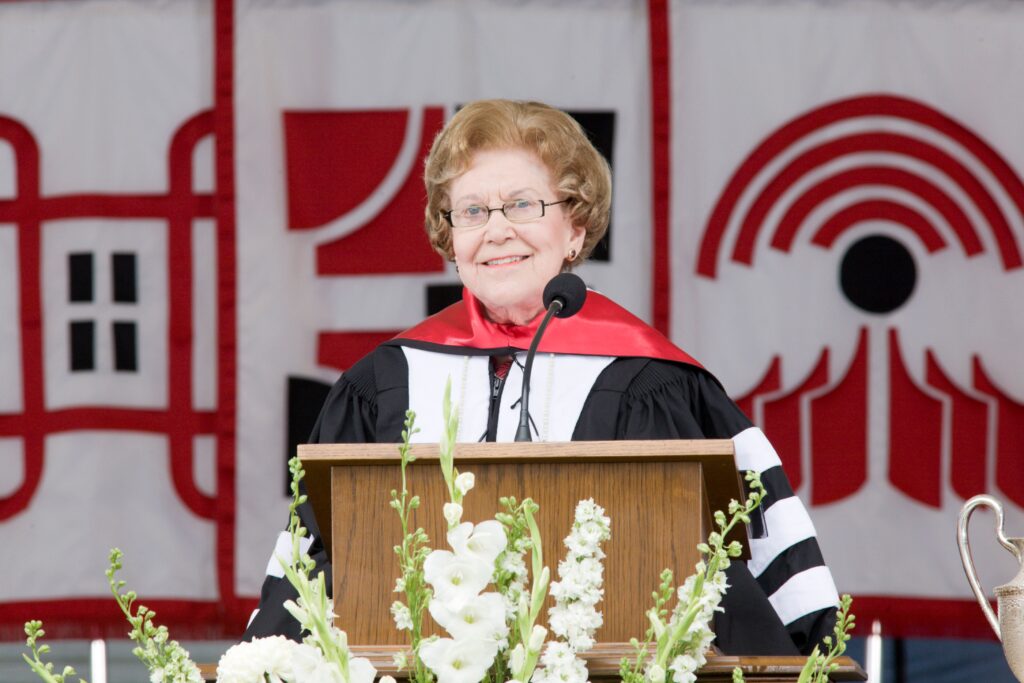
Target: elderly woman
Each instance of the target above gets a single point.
(515, 195)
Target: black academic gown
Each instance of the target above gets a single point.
(632, 398)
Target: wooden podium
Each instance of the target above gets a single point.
(659, 495)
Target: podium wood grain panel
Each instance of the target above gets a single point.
(657, 505)
(642, 543)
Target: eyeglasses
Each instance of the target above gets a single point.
(517, 211)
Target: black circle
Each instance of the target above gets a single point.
(877, 274)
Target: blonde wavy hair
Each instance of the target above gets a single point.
(579, 172)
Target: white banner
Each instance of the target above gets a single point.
(336, 111)
(106, 169)
(849, 228)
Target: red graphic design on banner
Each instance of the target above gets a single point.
(336, 161)
(836, 421)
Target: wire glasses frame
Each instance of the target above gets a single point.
(516, 211)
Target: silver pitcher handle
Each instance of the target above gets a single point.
(965, 550)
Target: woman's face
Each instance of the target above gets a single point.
(506, 265)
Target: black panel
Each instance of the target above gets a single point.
(123, 269)
(80, 277)
(305, 397)
(125, 347)
(441, 296)
(83, 345)
(600, 128)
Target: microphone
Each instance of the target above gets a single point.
(563, 297)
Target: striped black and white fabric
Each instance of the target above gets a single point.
(781, 602)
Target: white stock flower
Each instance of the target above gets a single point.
(387, 679)
(485, 541)
(464, 482)
(455, 579)
(481, 617)
(249, 662)
(513, 563)
(683, 668)
(560, 665)
(458, 661)
(452, 513)
(581, 575)
(403, 619)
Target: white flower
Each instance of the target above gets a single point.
(455, 579)
(513, 563)
(387, 679)
(481, 617)
(557, 655)
(517, 658)
(360, 670)
(399, 585)
(452, 513)
(581, 575)
(403, 619)
(560, 666)
(683, 668)
(655, 674)
(537, 637)
(310, 666)
(485, 541)
(454, 661)
(248, 662)
(464, 482)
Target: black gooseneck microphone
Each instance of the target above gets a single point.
(563, 297)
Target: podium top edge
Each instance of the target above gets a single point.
(673, 449)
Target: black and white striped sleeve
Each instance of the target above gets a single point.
(787, 562)
(671, 401)
(349, 415)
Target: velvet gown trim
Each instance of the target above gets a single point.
(601, 328)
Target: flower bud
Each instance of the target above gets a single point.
(453, 513)
(537, 637)
(516, 658)
(464, 482)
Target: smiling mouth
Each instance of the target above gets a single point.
(506, 261)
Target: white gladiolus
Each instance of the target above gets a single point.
(456, 579)
(309, 665)
(484, 541)
(360, 670)
(459, 661)
(683, 668)
(655, 674)
(482, 617)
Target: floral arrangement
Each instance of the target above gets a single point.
(493, 635)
